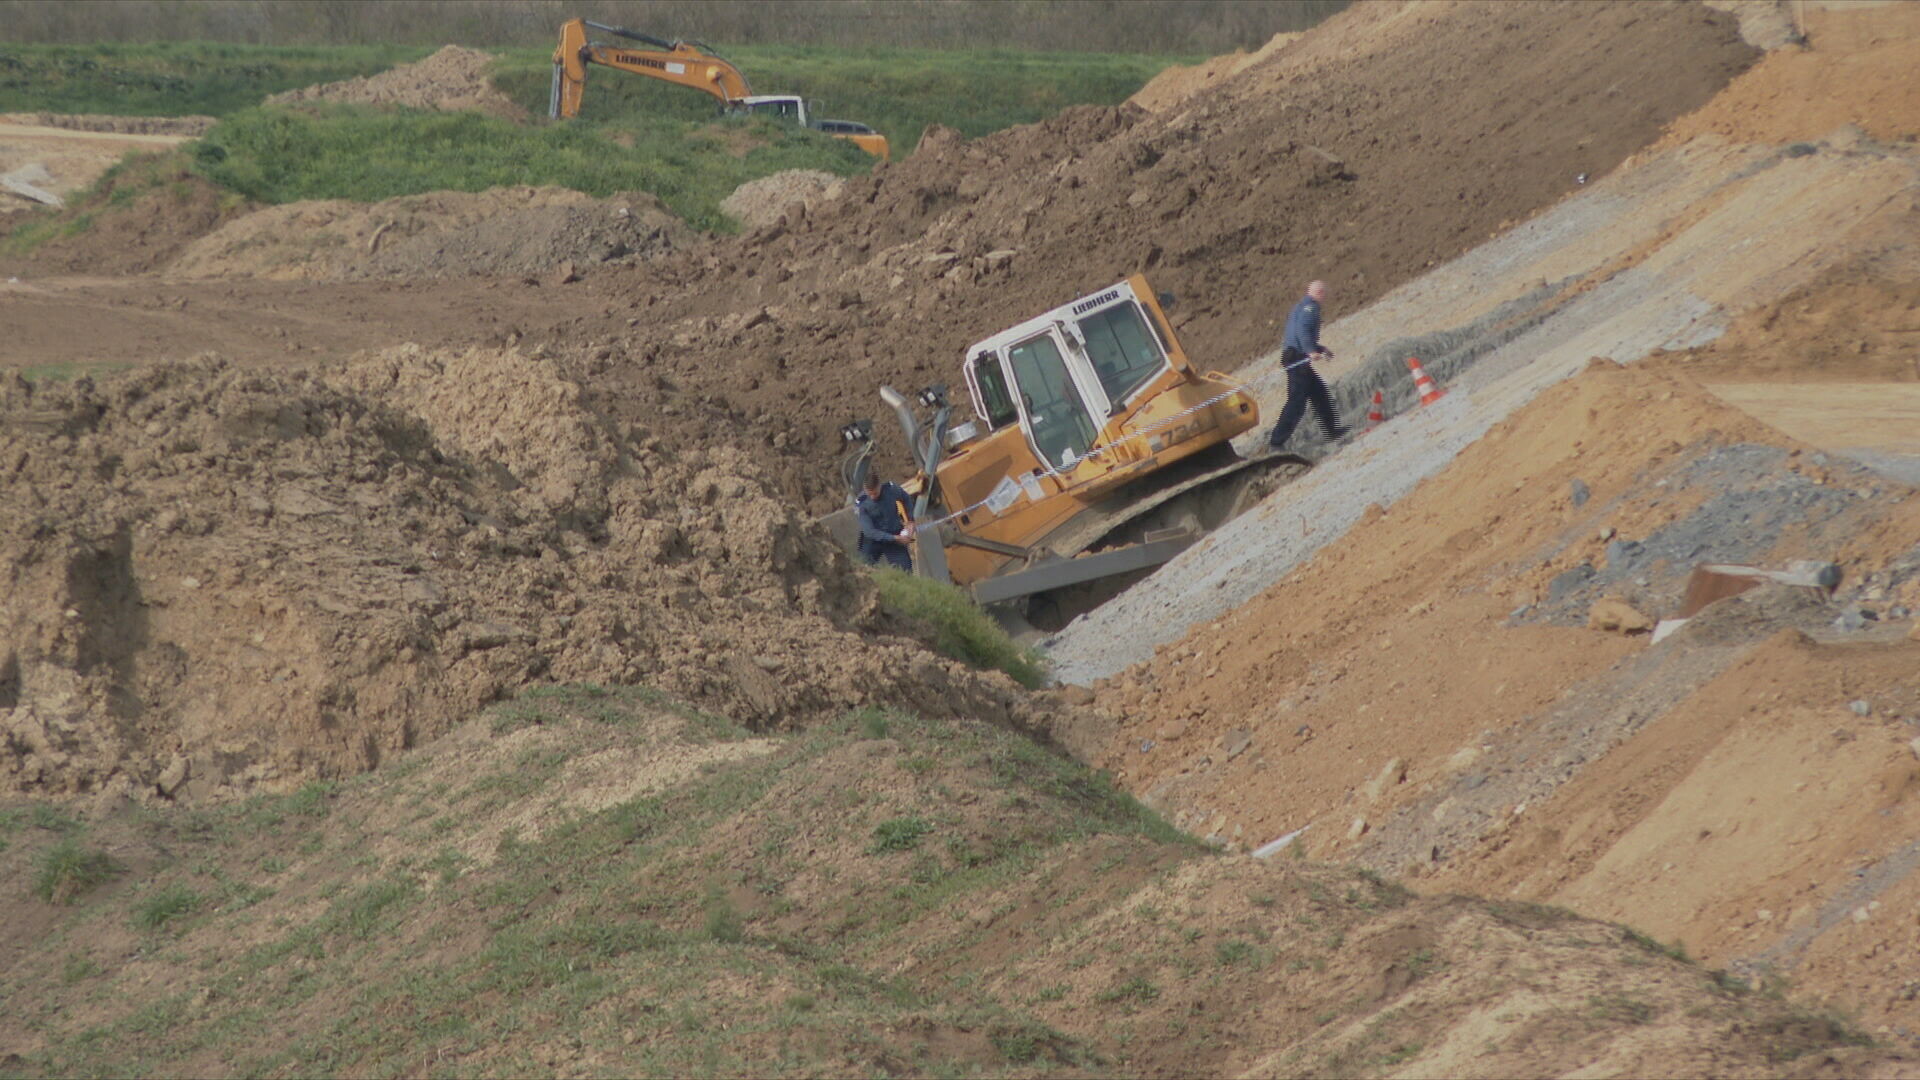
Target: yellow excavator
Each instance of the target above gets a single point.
(1096, 451)
(688, 63)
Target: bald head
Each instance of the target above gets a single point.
(1317, 290)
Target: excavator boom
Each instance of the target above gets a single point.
(685, 63)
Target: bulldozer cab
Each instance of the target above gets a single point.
(1090, 425)
(1063, 375)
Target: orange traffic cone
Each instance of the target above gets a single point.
(1430, 391)
(1376, 412)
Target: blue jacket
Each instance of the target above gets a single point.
(884, 518)
(1303, 327)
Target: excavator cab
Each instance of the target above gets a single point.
(788, 107)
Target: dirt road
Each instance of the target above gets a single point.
(59, 324)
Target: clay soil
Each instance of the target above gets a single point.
(1306, 160)
(238, 579)
(455, 449)
(1374, 696)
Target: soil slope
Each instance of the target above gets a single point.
(538, 893)
(219, 577)
(1308, 160)
(1374, 698)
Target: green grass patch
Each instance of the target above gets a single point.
(1675, 951)
(634, 133)
(900, 834)
(962, 631)
(1137, 990)
(344, 152)
(164, 906)
(66, 871)
(898, 92)
(76, 968)
(175, 78)
(1621, 1008)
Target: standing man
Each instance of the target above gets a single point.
(1298, 350)
(884, 525)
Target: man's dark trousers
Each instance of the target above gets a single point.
(1303, 386)
(891, 552)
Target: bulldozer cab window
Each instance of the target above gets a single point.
(1122, 349)
(990, 388)
(776, 108)
(1058, 422)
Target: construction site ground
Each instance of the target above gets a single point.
(417, 602)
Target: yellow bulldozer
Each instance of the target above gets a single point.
(686, 63)
(1096, 450)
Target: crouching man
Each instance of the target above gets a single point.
(885, 526)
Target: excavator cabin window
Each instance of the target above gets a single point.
(991, 384)
(1121, 349)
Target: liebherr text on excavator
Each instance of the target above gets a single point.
(1096, 451)
(688, 63)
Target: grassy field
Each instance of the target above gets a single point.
(896, 91)
(175, 79)
(634, 134)
(283, 155)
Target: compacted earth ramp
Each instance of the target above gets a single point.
(445, 678)
(1434, 654)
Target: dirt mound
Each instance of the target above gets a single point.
(118, 125)
(227, 578)
(503, 231)
(758, 204)
(139, 220)
(1176, 84)
(1308, 160)
(451, 80)
(609, 884)
(1859, 70)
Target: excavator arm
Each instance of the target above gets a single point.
(687, 63)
